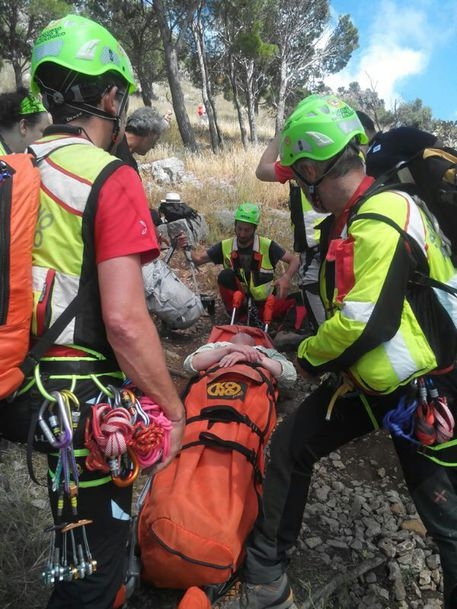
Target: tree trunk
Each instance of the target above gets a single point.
(281, 106)
(177, 96)
(171, 63)
(251, 102)
(238, 106)
(146, 90)
(217, 142)
(17, 74)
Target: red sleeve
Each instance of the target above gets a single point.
(123, 224)
(283, 174)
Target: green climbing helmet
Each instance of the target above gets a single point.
(82, 45)
(248, 212)
(319, 128)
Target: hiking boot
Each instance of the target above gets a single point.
(275, 595)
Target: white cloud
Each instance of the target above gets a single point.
(396, 45)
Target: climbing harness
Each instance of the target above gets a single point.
(253, 317)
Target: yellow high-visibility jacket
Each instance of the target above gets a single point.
(381, 329)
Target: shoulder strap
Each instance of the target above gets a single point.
(49, 337)
(296, 217)
(379, 186)
(420, 277)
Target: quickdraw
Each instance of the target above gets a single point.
(58, 417)
(127, 433)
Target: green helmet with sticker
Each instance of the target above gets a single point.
(83, 46)
(319, 128)
(248, 212)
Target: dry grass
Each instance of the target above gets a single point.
(220, 181)
(24, 514)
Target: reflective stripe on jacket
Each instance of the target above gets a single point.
(63, 252)
(380, 328)
(259, 280)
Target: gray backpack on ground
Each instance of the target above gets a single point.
(167, 296)
(195, 229)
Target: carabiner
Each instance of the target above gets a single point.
(61, 435)
(117, 396)
(73, 413)
(133, 473)
(129, 402)
(66, 434)
(53, 441)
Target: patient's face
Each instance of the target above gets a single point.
(242, 338)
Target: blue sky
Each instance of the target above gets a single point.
(407, 50)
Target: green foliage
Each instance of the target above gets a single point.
(342, 42)
(20, 23)
(446, 131)
(309, 47)
(134, 24)
(258, 53)
(414, 114)
(250, 44)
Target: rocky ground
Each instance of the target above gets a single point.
(362, 544)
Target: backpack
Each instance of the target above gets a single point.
(176, 210)
(19, 205)
(168, 297)
(195, 229)
(430, 175)
(19, 202)
(200, 509)
(180, 217)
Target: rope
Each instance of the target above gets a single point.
(112, 429)
(425, 421)
(400, 420)
(134, 426)
(159, 439)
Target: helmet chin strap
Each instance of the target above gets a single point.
(312, 187)
(117, 120)
(81, 107)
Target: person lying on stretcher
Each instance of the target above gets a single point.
(242, 348)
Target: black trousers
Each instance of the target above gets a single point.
(304, 437)
(98, 500)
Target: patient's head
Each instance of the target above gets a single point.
(242, 338)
